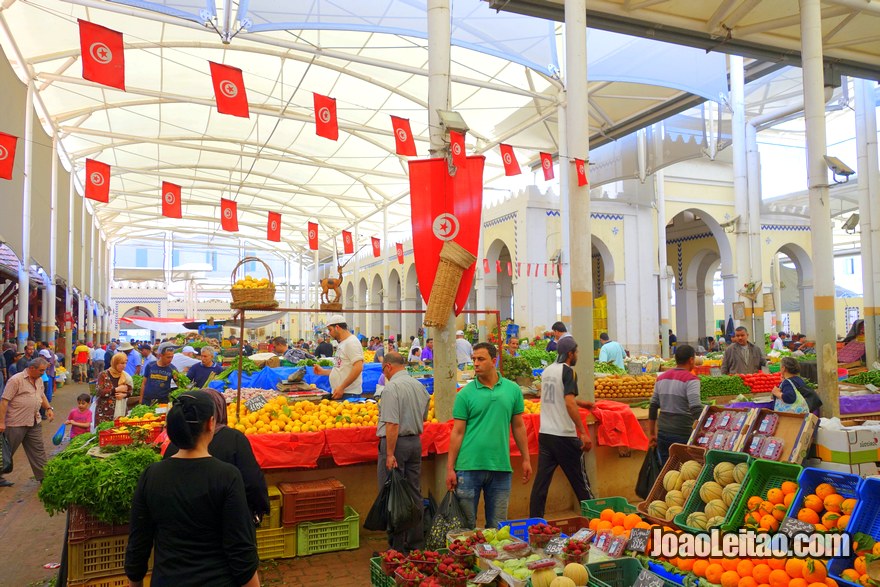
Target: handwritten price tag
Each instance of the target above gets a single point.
(255, 403)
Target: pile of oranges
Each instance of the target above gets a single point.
(618, 522)
(858, 574)
(743, 572)
(766, 514)
(826, 509)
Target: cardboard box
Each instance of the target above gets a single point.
(714, 410)
(859, 444)
(795, 430)
(862, 469)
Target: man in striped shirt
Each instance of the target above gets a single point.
(677, 398)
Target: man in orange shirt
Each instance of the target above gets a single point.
(81, 356)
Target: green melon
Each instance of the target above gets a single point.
(672, 480)
(723, 473)
(739, 472)
(657, 509)
(690, 470)
(697, 520)
(714, 522)
(730, 492)
(709, 491)
(674, 497)
(715, 508)
(688, 487)
(672, 512)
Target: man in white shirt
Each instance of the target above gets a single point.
(463, 349)
(779, 343)
(348, 362)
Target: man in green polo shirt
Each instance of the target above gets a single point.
(485, 412)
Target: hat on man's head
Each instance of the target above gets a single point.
(188, 349)
(165, 346)
(335, 319)
(459, 333)
(126, 346)
(565, 345)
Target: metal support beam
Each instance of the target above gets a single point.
(869, 210)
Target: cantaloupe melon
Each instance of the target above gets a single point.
(674, 497)
(687, 488)
(739, 472)
(729, 494)
(723, 473)
(562, 582)
(690, 470)
(697, 520)
(714, 508)
(577, 573)
(543, 577)
(709, 491)
(672, 480)
(713, 522)
(672, 512)
(657, 509)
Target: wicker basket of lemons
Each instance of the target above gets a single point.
(252, 293)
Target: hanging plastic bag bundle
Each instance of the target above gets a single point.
(404, 504)
(449, 517)
(649, 472)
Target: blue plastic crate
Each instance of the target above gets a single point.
(520, 528)
(669, 576)
(866, 519)
(846, 484)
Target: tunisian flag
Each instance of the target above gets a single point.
(511, 167)
(347, 243)
(229, 90)
(547, 166)
(171, 207)
(273, 228)
(97, 181)
(313, 236)
(581, 168)
(325, 117)
(228, 215)
(400, 253)
(445, 208)
(377, 247)
(103, 60)
(456, 146)
(403, 139)
(7, 155)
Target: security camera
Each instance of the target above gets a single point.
(838, 167)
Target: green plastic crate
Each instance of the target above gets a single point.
(316, 537)
(621, 572)
(762, 477)
(377, 577)
(275, 498)
(694, 503)
(592, 508)
(276, 542)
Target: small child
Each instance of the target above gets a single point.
(80, 417)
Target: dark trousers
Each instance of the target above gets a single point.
(558, 451)
(664, 441)
(408, 453)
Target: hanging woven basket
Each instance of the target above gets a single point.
(454, 259)
(258, 297)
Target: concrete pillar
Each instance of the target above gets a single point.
(25, 261)
(564, 214)
(869, 183)
(617, 315)
(730, 286)
(662, 262)
(820, 212)
(386, 270)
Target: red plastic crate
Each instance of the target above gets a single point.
(106, 437)
(312, 501)
(84, 526)
(159, 418)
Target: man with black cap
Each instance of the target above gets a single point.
(348, 363)
(562, 438)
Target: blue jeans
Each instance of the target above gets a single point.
(495, 486)
(664, 441)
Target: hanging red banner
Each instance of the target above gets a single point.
(228, 215)
(313, 236)
(273, 229)
(547, 166)
(581, 168)
(229, 92)
(103, 58)
(511, 166)
(326, 124)
(171, 205)
(377, 246)
(510, 269)
(485, 265)
(7, 154)
(403, 140)
(400, 253)
(519, 268)
(347, 243)
(498, 266)
(97, 181)
(445, 208)
(559, 269)
(545, 269)
(528, 269)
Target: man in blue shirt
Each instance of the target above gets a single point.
(200, 372)
(133, 363)
(158, 378)
(611, 351)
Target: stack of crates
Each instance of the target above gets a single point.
(96, 552)
(314, 512)
(600, 316)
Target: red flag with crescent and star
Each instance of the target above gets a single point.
(400, 253)
(229, 91)
(511, 166)
(456, 147)
(7, 154)
(347, 243)
(313, 236)
(581, 168)
(326, 124)
(228, 215)
(273, 229)
(547, 166)
(377, 246)
(171, 207)
(445, 208)
(403, 139)
(97, 181)
(103, 59)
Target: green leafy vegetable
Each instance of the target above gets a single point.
(538, 358)
(514, 367)
(247, 366)
(722, 385)
(137, 384)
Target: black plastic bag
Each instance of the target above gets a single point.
(404, 504)
(449, 517)
(649, 472)
(377, 519)
(5, 455)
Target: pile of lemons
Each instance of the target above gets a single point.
(279, 416)
(250, 283)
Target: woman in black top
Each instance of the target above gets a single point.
(232, 446)
(193, 509)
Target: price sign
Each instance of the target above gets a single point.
(638, 539)
(872, 388)
(486, 577)
(255, 403)
(648, 579)
(554, 546)
(792, 526)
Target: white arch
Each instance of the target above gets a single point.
(606, 256)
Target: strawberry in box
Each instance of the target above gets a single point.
(391, 559)
(540, 534)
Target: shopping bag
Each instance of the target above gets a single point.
(59, 435)
(5, 455)
(449, 517)
(649, 472)
(377, 519)
(404, 504)
(120, 409)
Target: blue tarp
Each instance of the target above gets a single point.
(269, 378)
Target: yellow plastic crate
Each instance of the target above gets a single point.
(275, 498)
(98, 558)
(114, 581)
(276, 543)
